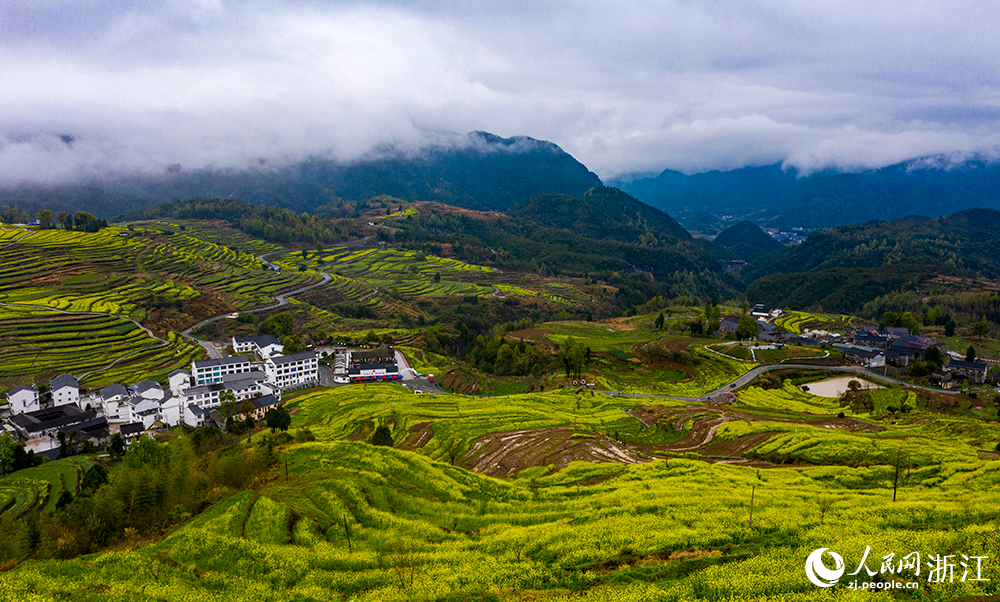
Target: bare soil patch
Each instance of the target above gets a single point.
(504, 454)
(419, 435)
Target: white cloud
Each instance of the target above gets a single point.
(622, 86)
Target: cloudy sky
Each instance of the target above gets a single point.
(114, 86)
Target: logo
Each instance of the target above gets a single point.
(819, 574)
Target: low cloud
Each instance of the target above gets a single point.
(681, 85)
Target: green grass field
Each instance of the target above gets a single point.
(357, 522)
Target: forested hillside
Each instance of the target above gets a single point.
(747, 241)
(843, 269)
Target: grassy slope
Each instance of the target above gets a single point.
(672, 530)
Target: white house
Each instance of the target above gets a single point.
(211, 371)
(264, 345)
(243, 386)
(149, 389)
(65, 390)
(114, 399)
(23, 399)
(294, 370)
(170, 410)
(178, 380)
(373, 372)
(195, 416)
(146, 411)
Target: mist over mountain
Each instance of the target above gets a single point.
(478, 171)
(777, 197)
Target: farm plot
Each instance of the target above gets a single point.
(367, 274)
(107, 273)
(38, 344)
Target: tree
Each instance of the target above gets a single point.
(293, 343)
(45, 218)
(747, 328)
(117, 446)
(277, 419)
(910, 323)
(382, 436)
(437, 277)
(7, 445)
(970, 354)
(854, 385)
(279, 325)
(227, 403)
(933, 356)
(949, 328)
(659, 321)
(980, 328)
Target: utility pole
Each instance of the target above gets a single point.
(895, 480)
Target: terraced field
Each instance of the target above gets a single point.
(367, 275)
(596, 504)
(107, 273)
(39, 343)
(39, 487)
(68, 299)
(799, 321)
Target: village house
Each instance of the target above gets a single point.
(211, 371)
(131, 430)
(65, 389)
(264, 345)
(23, 399)
(38, 429)
(113, 399)
(293, 371)
(94, 430)
(976, 372)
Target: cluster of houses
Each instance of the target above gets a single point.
(191, 398)
(875, 348)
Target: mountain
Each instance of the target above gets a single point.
(842, 269)
(477, 171)
(786, 199)
(747, 241)
(601, 212)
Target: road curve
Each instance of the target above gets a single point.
(280, 301)
(755, 372)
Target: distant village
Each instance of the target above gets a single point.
(253, 382)
(873, 348)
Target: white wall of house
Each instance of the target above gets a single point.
(23, 400)
(66, 395)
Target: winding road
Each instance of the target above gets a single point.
(755, 372)
(280, 301)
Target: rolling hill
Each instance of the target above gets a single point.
(842, 269)
(747, 241)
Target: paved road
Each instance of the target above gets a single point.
(280, 301)
(754, 373)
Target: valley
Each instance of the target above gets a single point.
(581, 452)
